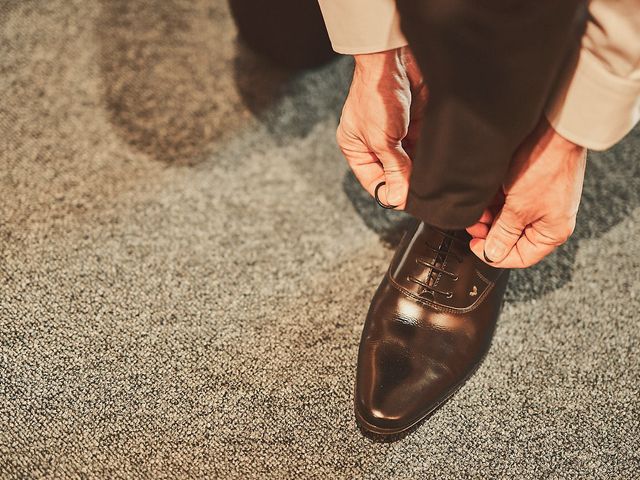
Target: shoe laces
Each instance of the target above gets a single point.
(443, 253)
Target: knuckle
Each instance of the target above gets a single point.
(397, 167)
(556, 235)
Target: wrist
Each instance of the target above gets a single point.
(375, 58)
(549, 138)
(379, 63)
(572, 150)
(558, 141)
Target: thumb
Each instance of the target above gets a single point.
(397, 170)
(505, 232)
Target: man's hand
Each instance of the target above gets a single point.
(380, 121)
(541, 198)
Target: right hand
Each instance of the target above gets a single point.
(380, 122)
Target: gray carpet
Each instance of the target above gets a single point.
(186, 264)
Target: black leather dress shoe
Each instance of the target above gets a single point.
(430, 324)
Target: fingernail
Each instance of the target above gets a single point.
(495, 251)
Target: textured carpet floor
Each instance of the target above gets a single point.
(186, 264)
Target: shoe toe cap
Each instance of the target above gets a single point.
(391, 393)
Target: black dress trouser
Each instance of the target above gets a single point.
(489, 65)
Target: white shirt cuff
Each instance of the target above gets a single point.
(593, 107)
(362, 26)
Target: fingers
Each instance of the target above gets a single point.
(536, 241)
(397, 171)
(528, 250)
(480, 229)
(387, 163)
(502, 236)
(367, 169)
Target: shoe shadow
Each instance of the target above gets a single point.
(611, 192)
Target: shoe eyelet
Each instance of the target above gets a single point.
(455, 279)
(449, 294)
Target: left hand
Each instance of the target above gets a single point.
(541, 197)
(380, 121)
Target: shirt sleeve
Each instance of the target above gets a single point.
(598, 102)
(362, 26)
